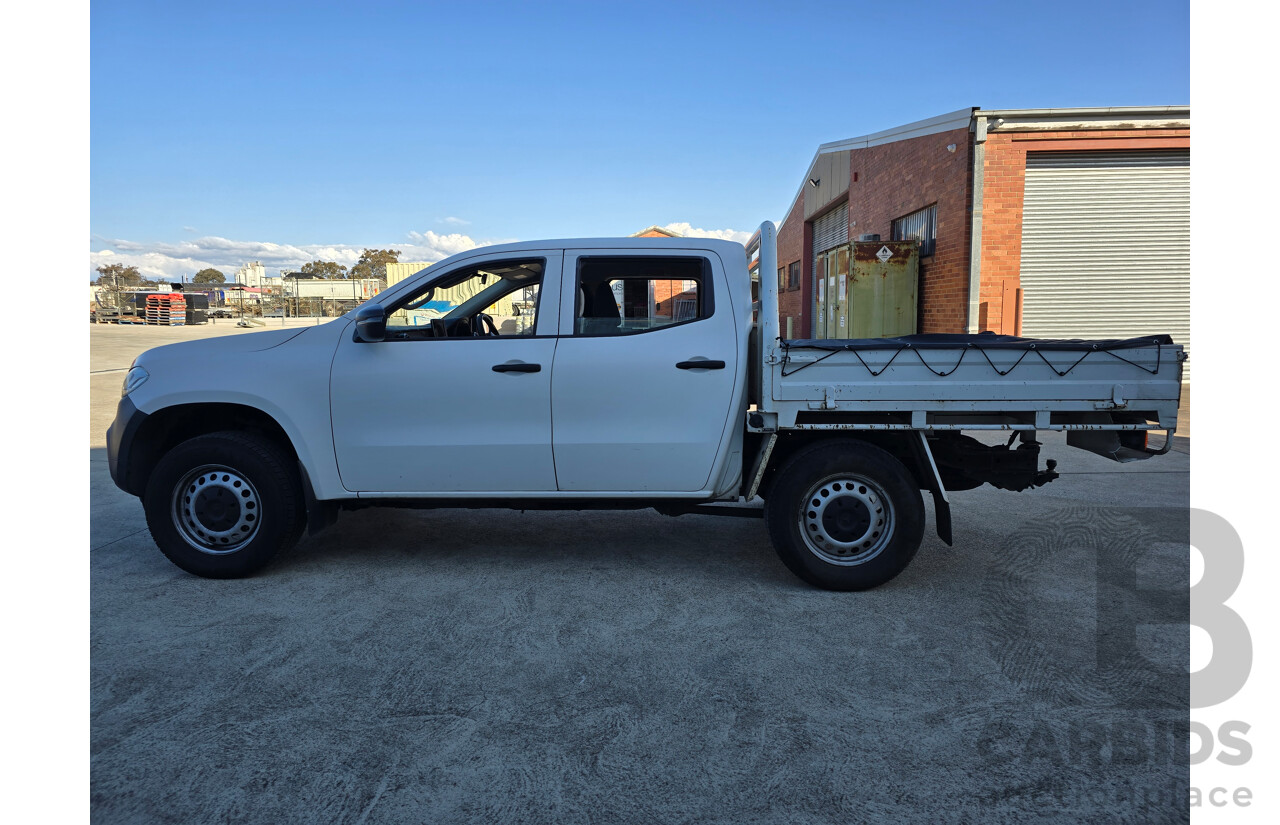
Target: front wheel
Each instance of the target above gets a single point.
(845, 515)
(223, 505)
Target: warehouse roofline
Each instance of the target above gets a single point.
(960, 118)
(1113, 117)
(1173, 116)
(1086, 110)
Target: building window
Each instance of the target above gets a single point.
(793, 275)
(782, 278)
(919, 226)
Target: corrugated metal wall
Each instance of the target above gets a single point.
(399, 271)
(832, 229)
(1106, 245)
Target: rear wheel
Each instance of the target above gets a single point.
(223, 505)
(845, 515)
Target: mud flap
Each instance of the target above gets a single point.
(320, 514)
(929, 474)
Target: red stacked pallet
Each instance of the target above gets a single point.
(167, 309)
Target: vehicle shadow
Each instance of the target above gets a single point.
(542, 541)
(464, 540)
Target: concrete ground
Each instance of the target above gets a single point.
(492, 666)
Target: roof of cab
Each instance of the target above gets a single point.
(720, 246)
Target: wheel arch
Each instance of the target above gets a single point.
(167, 427)
(897, 444)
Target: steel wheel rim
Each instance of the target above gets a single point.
(846, 519)
(216, 509)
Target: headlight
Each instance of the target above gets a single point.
(133, 379)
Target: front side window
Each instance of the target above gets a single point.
(493, 299)
(919, 226)
(624, 296)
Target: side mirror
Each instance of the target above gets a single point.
(371, 324)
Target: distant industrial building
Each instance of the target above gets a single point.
(335, 289)
(254, 275)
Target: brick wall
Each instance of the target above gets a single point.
(1004, 179)
(792, 236)
(666, 294)
(896, 179)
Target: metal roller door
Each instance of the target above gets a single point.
(829, 231)
(1106, 245)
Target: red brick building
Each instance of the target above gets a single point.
(656, 231)
(1043, 222)
(665, 293)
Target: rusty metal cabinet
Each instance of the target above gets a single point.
(867, 289)
(883, 289)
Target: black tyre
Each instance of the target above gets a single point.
(223, 505)
(845, 515)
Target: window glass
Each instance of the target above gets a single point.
(496, 299)
(919, 226)
(793, 275)
(623, 296)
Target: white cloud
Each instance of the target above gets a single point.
(452, 221)
(690, 231)
(440, 246)
(171, 261)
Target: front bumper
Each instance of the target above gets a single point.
(120, 442)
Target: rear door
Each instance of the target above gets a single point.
(645, 370)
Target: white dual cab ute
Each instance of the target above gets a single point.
(611, 374)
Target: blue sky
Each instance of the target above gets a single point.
(277, 131)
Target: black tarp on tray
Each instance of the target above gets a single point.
(982, 340)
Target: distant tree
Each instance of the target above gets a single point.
(373, 263)
(324, 269)
(116, 279)
(119, 276)
(209, 276)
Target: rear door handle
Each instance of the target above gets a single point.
(521, 367)
(700, 365)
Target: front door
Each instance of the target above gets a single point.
(458, 396)
(645, 372)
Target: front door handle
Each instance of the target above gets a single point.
(520, 367)
(700, 365)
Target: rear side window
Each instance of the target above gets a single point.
(626, 296)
